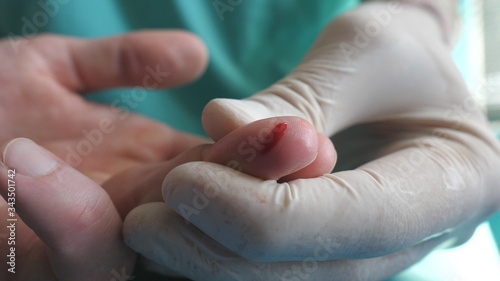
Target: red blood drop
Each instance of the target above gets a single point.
(277, 133)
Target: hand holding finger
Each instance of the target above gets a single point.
(283, 148)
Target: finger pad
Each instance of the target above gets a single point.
(268, 148)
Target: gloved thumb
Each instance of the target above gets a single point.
(340, 83)
(222, 116)
(306, 92)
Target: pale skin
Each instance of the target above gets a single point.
(58, 69)
(53, 115)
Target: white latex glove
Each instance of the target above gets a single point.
(424, 165)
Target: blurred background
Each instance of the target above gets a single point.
(478, 53)
(491, 23)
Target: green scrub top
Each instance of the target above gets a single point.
(252, 44)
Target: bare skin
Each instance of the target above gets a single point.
(39, 100)
(70, 219)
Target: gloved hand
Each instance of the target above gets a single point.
(423, 165)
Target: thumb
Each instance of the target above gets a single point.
(72, 215)
(339, 83)
(307, 92)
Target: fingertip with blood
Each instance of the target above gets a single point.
(275, 147)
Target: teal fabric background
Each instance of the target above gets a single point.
(251, 44)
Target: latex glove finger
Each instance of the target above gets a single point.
(260, 149)
(424, 185)
(340, 83)
(70, 213)
(158, 233)
(126, 60)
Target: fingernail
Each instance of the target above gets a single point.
(27, 158)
